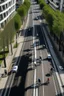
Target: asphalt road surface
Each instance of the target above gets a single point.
(25, 80)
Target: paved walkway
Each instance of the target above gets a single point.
(9, 63)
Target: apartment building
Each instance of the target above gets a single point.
(19, 1)
(57, 4)
(7, 9)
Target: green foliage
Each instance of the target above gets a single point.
(7, 34)
(49, 15)
(55, 19)
(42, 3)
(16, 45)
(27, 3)
(23, 9)
(58, 25)
(17, 21)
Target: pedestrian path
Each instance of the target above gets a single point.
(9, 59)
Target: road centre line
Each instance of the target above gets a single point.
(43, 76)
(35, 93)
(42, 70)
(55, 86)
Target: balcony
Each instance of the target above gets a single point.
(2, 1)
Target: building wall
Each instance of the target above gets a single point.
(19, 1)
(58, 4)
(7, 8)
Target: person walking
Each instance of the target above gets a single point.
(39, 81)
(48, 80)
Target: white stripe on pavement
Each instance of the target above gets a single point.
(35, 91)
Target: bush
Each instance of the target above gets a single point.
(55, 19)
(42, 3)
(23, 9)
(7, 34)
(17, 21)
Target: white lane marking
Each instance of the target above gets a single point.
(42, 69)
(55, 86)
(35, 93)
(7, 86)
(58, 78)
(42, 72)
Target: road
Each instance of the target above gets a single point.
(25, 80)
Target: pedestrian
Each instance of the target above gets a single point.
(39, 81)
(40, 58)
(48, 80)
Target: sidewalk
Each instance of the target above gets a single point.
(10, 58)
(9, 63)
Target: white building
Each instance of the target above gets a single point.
(7, 9)
(57, 4)
(19, 1)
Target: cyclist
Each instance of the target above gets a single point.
(40, 58)
(48, 80)
(39, 81)
(51, 71)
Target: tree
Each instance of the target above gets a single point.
(17, 23)
(21, 11)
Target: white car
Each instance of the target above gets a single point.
(49, 56)
(14, 68)
(61, 68)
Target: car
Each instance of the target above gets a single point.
(14, 68)
(61, 68)
(49, 56)
(36, 18)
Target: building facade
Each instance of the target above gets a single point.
(19, 1)
(7, 9)
(57, 4)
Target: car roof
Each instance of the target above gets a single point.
(15, 66)
(49, 54)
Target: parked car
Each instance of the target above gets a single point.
(14, 68)
(61, 68)
(49, 56)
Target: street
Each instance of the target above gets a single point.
(30, 68)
